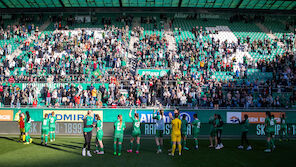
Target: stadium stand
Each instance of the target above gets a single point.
(144, 59)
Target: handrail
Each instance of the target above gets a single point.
(155, 107)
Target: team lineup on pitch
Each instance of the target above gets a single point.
(179, 136)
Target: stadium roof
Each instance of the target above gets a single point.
(217, 4)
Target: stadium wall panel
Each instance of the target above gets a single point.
(147, 129)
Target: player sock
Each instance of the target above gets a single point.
(268, 145)
(173, 149)
(272, 143)
(42, 138)
(97, 147)
(114, 146)
(179, 147)
(119, 148)
(196, 142)
(101, 148)
(158, 147)
(46, 138)
(184, 143)
(138, 147)
(131, 145)
(27, 138)
(24, 137)
(53, 135)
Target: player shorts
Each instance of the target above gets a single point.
(136, 134)
(118, 137)
(52, 129)
(27, 129)
(22, 130)
(176, 137)
(159, 133)
(100, 136)
(269, 133)
(195, 134)
(212, 133)
(183, 133)
(44, 131)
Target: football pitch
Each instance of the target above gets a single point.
(66, 151)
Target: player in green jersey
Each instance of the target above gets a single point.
(28, 121)
(284, 127)
(269, 131)
(212, 131)
(52, 126)
(136, 133)
(195, 129)
(99, 137)
(45, 130)
(184, 126)
(244, 128)
(87, 132)
(218, 128)
(272, 130)
(119, 127)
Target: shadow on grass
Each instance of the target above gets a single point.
(52, 146)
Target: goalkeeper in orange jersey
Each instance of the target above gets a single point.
(21, 122)
(176, 134)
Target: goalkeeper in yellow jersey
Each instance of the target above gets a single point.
(176, 134)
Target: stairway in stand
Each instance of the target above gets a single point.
(132, 59)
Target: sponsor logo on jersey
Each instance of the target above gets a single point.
(6, 115)
(71, 115)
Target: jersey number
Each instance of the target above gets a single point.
(271, 122)
(137, 124)
(118, 127)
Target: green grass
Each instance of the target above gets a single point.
(66, 151)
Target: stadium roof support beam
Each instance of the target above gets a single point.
(240, 2)
(272, 4)
(256, 4)
(120, 3)
(4, 4)
(180, 3)
(281, 4)
(61, 2)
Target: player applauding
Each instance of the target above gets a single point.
(136, 134)
(176, 134)
(218, 128)
(212, 131)
(45, 130)
(52, 126)
(99, 137)
(283, 130)
(28, 121)
(184, 125)
(245, 129)
(160, 120)
(119, 127)
(195, 129)
(269, 131)
(21, 122)
(87, 132)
